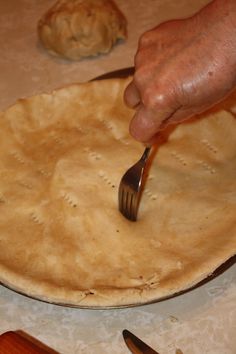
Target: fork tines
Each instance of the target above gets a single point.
(130, 188)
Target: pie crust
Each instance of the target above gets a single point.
(62, 237)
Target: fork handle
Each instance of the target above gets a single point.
(15, 343)
(146, 153)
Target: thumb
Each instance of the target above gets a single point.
(146, 123)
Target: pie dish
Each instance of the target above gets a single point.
(62, 238)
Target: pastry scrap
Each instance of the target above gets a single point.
(81, 28)
(62, 238)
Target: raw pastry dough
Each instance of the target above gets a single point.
(81, 28)
(62, 238)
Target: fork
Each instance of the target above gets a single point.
(130, 188)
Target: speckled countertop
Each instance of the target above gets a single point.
(202, 320)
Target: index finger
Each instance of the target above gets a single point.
(132, 97)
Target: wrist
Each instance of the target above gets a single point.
(218, 20)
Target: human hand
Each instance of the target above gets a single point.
(182, 67)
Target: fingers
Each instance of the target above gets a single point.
(132, 96)
(153, 111)
(146, 124)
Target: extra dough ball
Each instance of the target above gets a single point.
(81, 28)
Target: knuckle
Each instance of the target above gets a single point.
(138, 58)
(157, 92)
(141, 78)
(145, 39)
(159, 98)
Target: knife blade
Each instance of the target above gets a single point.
(136, 345)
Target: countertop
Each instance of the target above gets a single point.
(202, 320)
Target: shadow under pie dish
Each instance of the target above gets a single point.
(62, 237)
